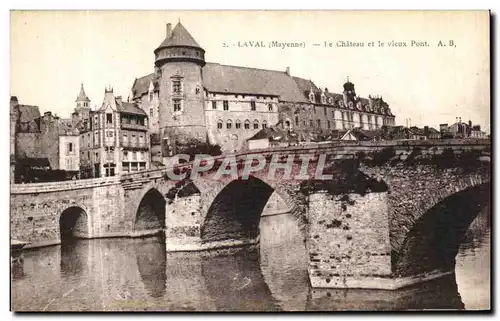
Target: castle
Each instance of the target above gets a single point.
(185, 101)
(188, 99)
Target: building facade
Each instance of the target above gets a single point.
(112, 139)
(188, 99)
(41, 143)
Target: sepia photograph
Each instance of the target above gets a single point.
(265, 161)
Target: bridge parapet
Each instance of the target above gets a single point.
(62, 186)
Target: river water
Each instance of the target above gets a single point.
(138, 275)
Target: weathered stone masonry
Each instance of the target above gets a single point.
(375, 238)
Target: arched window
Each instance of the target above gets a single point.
(264, 124)
(229, 124)
(219, 124)
(256, 124)
(247, 124)
(238, 124)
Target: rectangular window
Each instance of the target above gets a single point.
(177, 105)
(252, 105)
(176, 86)
(214, 105)
(151, 111)
(328, 124)
(150, 96)
(109, 118)
(225, 103)
(304, 123)
(296, 120)
(125, 154)
(319, 123)
(70, 147)
(325, 110)
(311, 122)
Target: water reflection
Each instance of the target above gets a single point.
(138, 275)
(152, 266)
(439, 294)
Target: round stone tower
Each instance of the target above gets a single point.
(178, 69)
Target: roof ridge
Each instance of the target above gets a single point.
(254, 68)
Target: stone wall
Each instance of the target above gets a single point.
(415, 190)
(35, 217)
(36, 209)
(183, 222)
(348, 239)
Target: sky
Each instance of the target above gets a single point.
(53, 52)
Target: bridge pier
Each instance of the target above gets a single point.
(348, 241)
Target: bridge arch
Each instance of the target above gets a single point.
(150, 213)
(434, 239)
(73, 223)
(235, 209)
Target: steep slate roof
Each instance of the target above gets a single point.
(141, 85)
(82, 96)
(179, 37)
(243, 80)
(130, 108)
(66, 128)
(28, 113)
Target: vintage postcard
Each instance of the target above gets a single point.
(250, 161)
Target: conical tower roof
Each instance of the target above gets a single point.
(180, 37)
(82, 96)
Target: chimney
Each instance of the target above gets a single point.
(470, 123)
(326, 90)
(288, 71)
(47, 115)
(13, 101)
(169, 30)
(426, 131)
(75, 117)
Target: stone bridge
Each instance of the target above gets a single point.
(393, 213)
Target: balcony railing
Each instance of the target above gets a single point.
(132, 144)
(134, 126)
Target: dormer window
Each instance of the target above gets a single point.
(311, 97)
(323, 99)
